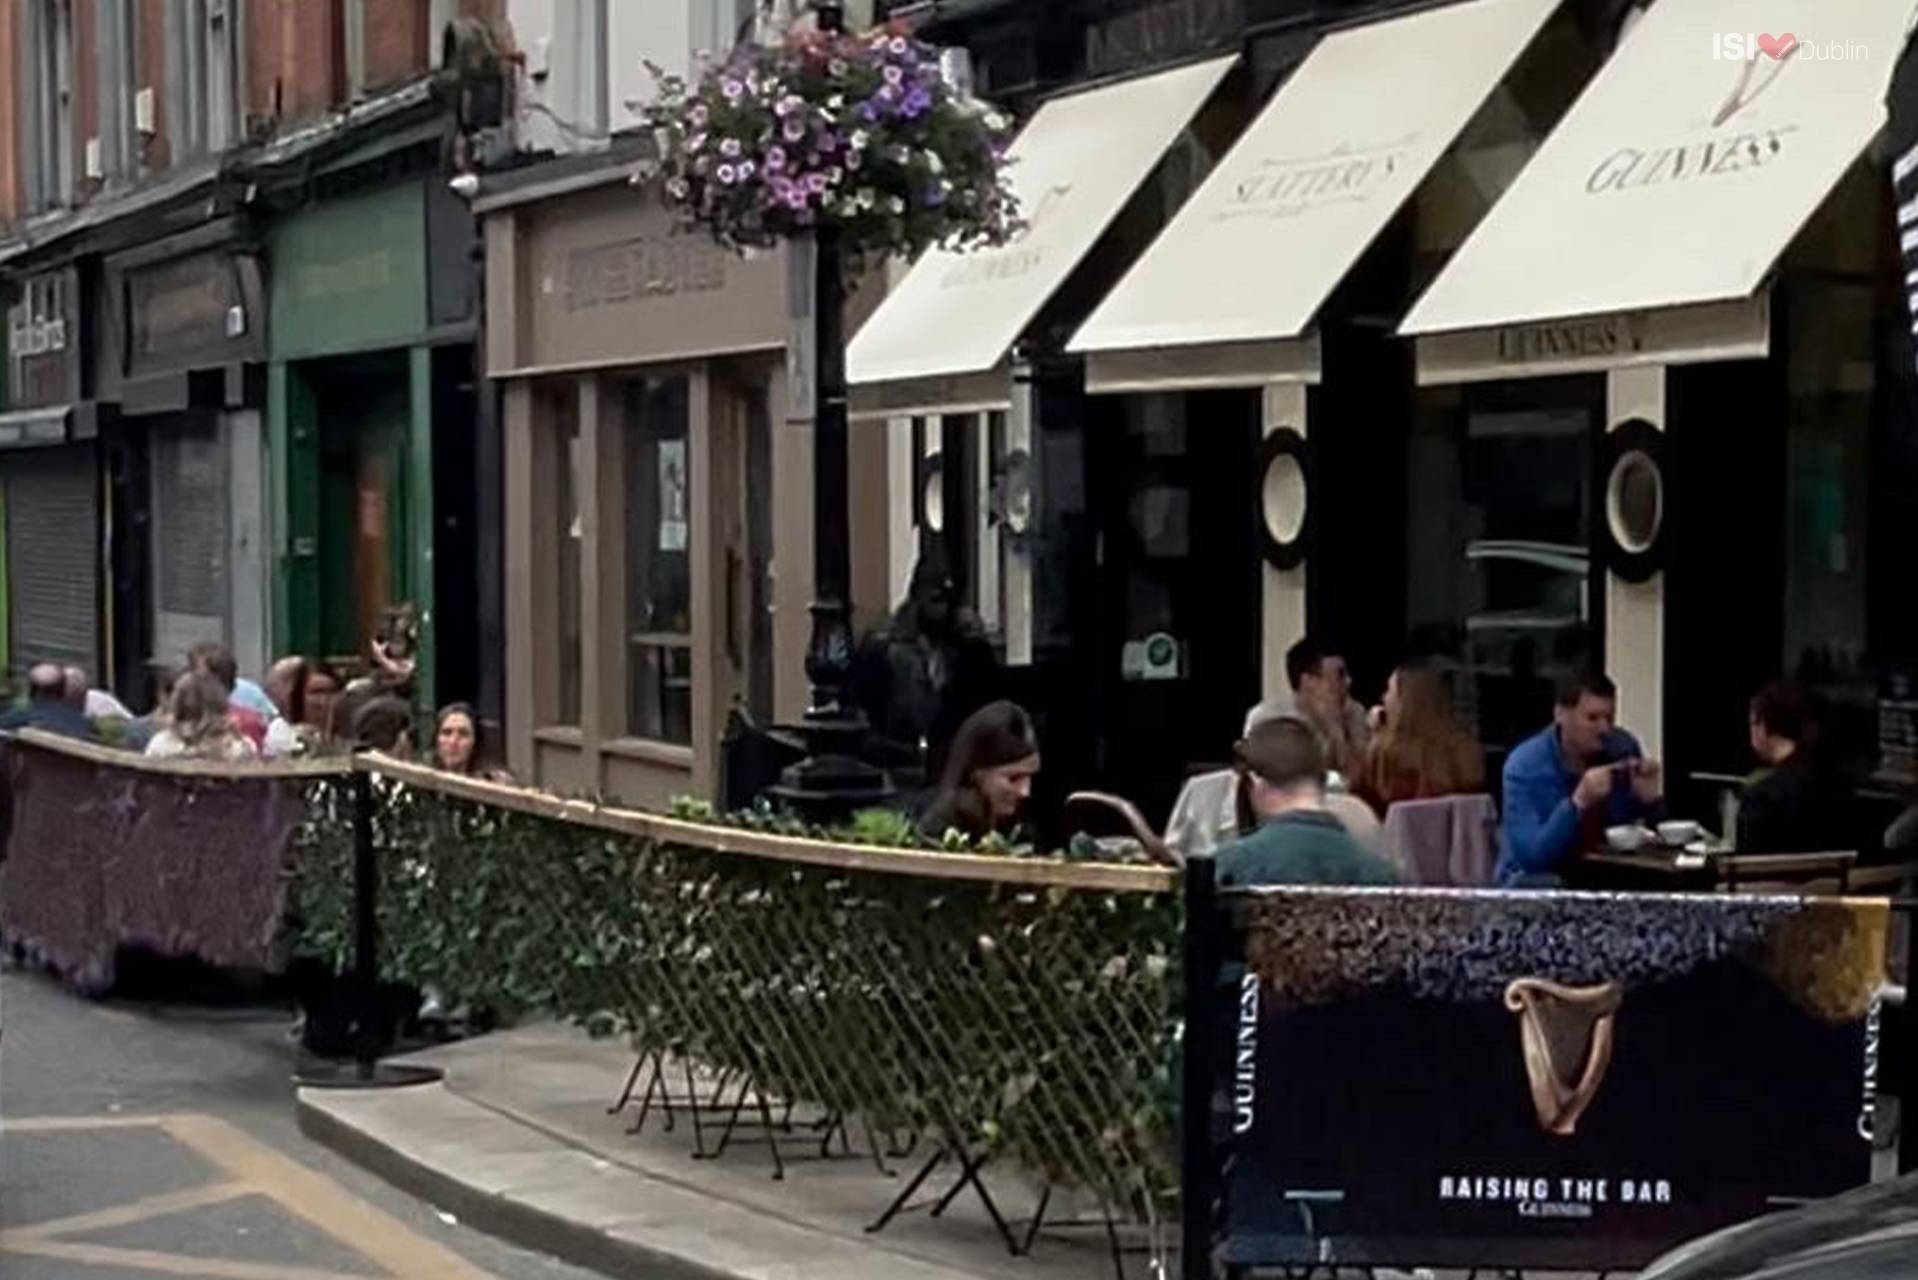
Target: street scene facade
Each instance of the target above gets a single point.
(958, 637)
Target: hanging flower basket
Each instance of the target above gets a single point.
(860, 132)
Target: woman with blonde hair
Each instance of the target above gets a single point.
(198, 726)
(1420, 751)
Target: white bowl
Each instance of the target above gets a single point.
(1678, 833)
(1627, 839)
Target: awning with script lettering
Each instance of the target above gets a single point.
(1685, 169)
(1339, 150)
(957, 315)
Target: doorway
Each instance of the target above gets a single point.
(363, 413)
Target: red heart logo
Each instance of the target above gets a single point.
(1776, 47)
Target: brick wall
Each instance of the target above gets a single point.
(151, 73)
(309, 66)
(395, 41)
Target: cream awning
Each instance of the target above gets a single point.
(1686, 167)
(1074, 167)
(1344, 143)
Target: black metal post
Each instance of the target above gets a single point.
(370, 1023)
(369, 1031)
(832, 781)
(1198, 1158)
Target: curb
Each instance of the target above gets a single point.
(513, 1221)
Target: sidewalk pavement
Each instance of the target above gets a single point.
(517, 1142)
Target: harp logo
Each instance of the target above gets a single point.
(1566, 1035)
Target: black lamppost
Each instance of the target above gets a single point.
(832, 781)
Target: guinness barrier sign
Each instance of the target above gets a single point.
(1551, 1081)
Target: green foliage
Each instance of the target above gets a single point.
(1039, 1021)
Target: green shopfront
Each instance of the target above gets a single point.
(370, 405)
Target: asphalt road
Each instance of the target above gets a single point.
(148, 1141)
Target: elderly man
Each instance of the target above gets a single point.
(48, 706)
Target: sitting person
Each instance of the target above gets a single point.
(217, 660)
(141, 730)
(48, 707)
(1420, 752)
(988, 775)
(1321, 691)
(458, 746)
(1566, 784)
(1797, 803)
(383, 723)
(1282, 766)
(199, 726)
(98, 704)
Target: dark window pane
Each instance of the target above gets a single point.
(659, 498)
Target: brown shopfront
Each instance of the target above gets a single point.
(641, 367)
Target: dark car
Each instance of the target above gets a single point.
(1867, 1234)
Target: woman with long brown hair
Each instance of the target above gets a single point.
(988, 776)
(1420, 751)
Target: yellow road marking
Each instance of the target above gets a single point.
(173, 1264)
(126, 1214)
(78, 1124)
(251, 1168)
(320, 1201)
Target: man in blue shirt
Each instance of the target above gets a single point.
(1564, 786)
(48, 706)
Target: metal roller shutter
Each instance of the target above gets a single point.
(52, 544)
(189, 541)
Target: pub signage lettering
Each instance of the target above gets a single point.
(1731, 147)
(40, 361)
(1161, 31)
(643, 267)
(1288, 188)
(30, 335)
(1571, 340)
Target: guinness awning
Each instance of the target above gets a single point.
(1686, 168)
(957, 315)
(1339, 150)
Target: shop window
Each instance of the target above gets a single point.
(46, 105)
(1498, 548)
(656, 449)
(567, 476)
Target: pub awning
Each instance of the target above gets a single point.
(1686, 168)
(956, 316)
(1341, 147)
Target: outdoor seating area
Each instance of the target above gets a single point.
(1006, 1032)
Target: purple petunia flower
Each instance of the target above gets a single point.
(698, 115)
(730, 148)
(899, 46)
(836, 68)
(733, 90)
(726, 175)
(854, 160)
(746, 169)
(886, 94)
(787, 105)
(917, 103)
(796, 198)
(816, 183)
(893, 75)
(775, 159)
(794, 130)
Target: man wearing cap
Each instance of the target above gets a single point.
(1282, 762)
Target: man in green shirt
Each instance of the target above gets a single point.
(1298, 842)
